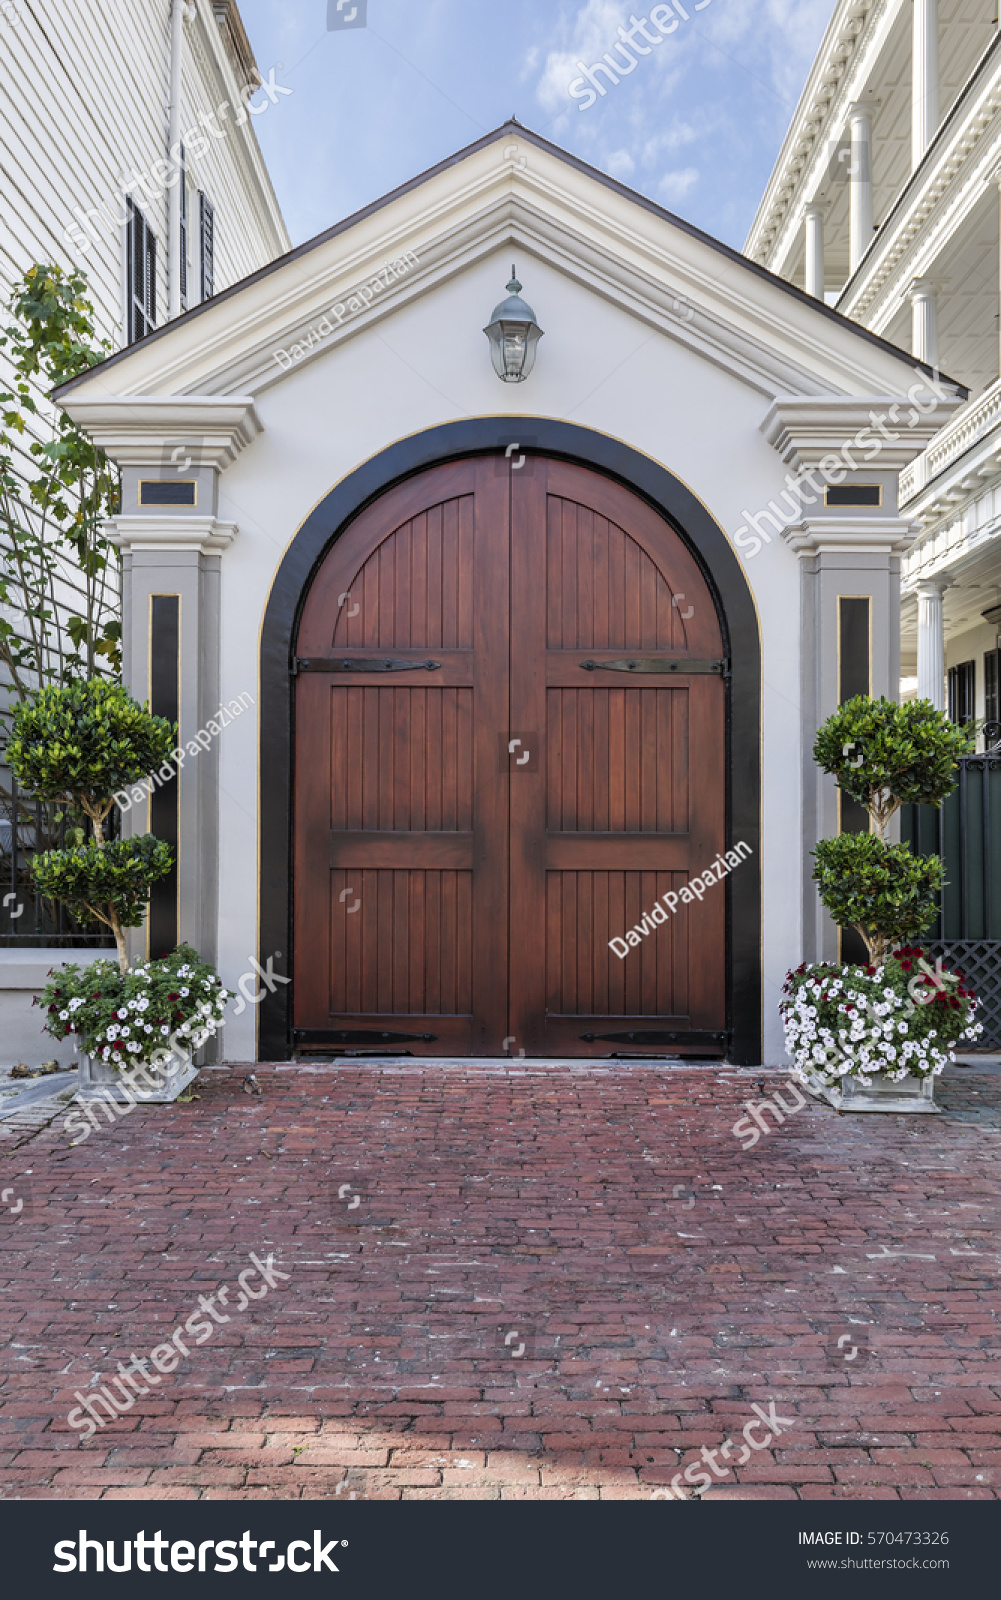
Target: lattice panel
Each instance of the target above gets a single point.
(980, 962)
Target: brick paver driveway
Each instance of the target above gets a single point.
(558, 1282)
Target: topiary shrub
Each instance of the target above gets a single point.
(80, 744)
(884, 756)
(881, 889)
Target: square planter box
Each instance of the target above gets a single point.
(910, 1094)
(100, 1079)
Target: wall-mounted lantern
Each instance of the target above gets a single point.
(513, 333)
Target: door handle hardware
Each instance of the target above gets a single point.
(361, 664)
(655, 664)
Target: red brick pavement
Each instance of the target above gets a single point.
(661, 1279)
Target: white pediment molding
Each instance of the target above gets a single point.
(525, 194)
(679, 306)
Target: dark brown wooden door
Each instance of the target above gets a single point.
(629, 799)
(458, 895)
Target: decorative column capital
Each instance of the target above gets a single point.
(135, 430)
(923, 288)
(931, 588)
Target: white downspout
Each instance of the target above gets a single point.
(179, 9)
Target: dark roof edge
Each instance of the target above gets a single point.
(505, 130)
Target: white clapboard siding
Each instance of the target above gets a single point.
(84, 107)
(84, 92)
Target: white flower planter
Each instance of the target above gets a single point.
(99, 1080)
(910, 1094)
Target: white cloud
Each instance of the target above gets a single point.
(620, 164)
(775, 41)
(672, 138)
(595, 29)
(674, 186)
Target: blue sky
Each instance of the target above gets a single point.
(696, 125)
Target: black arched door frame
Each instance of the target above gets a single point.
(506, 437)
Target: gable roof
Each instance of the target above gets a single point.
(306, 254)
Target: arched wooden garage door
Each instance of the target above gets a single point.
(509, 743)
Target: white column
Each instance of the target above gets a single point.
(924, 78)
(931, 643)
(924, 321)
(813, 217)
(860, 177)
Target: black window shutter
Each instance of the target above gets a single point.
(992, 700)
(207, 249)
(149, 253)
(962, 693)
(140, 266)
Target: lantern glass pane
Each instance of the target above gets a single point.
(515, 346)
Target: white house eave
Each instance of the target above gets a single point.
(946, 188)
(246, 150)
(854, 38)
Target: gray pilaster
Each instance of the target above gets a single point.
(840, 555)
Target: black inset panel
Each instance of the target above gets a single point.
(170, 492)
(854, 667)
(164, 697)
(854, 677)
(854, 494)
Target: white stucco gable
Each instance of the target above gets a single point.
(656, 338)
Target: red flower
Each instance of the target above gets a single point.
(173, 997)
